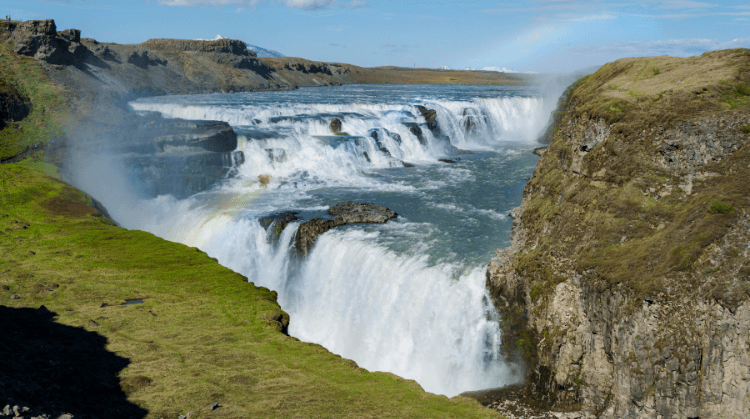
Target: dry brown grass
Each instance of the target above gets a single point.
(403, 75)
(633, 93)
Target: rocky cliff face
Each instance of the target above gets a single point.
(627, 286)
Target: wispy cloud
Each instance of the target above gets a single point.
(299, 4)
(354, 4)
(674, 47)
(586, 18)
(684, 4)
(70, 1)
(597, 10)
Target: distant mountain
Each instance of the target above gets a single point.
(264, 53)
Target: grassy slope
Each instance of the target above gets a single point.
(202, 335)
(603, 225)
(48, 112)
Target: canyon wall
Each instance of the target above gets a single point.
(626, 289)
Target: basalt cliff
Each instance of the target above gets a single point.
(626, 289)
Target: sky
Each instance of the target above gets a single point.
(519, 35)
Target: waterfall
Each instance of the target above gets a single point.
(402, 297)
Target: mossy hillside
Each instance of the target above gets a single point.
(203, 334)
(627, 223)
(635, 93)
(48, 115)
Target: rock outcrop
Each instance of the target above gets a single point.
(227, 46)
(343, 213)
(430, 115)
(627, 286)
(40, 39)
(276, 223)
(335, 126)
(13, 105)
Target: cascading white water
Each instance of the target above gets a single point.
(406, 297)
(426, 322)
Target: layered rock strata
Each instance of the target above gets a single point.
(626, 289)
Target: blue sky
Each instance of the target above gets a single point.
(519, 35)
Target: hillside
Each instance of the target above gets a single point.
(628, 278)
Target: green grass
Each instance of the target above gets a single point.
(745, 129)
(47, 119)
(718, 207)
(203, 333)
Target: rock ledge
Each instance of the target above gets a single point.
(344, 213)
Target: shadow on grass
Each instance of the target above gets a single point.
(54, 369)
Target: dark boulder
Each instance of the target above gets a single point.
(335, 126)
(381, 144)
(276, 223)
(430, 115)
(344, 213)
(416, 131)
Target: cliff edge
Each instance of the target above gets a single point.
(626, 289)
